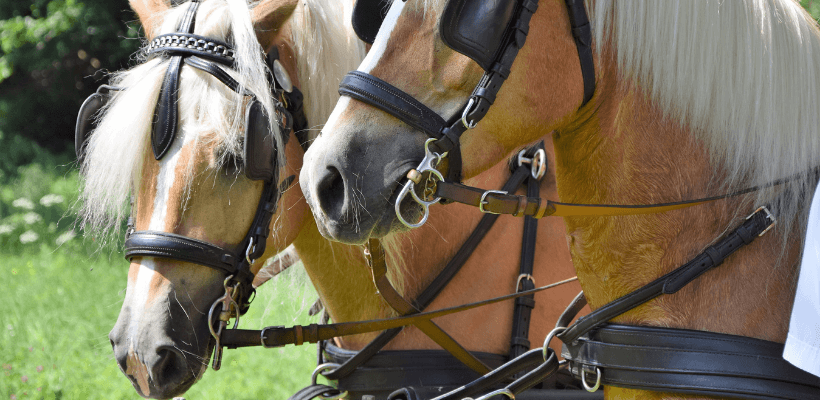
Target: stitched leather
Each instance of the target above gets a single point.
(668, 283)
(476, 28)
(181, 248)
(582, 33)
(87, 118)
(690, 361)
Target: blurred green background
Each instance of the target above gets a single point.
(60, 294)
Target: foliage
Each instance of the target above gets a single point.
(53, 54)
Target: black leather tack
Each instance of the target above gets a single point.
(525, 301)
(501, 69)
(519, 341)
(714, 255)
(530, 5)
(314, 391)
(486, 94)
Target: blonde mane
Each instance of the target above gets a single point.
(114, 154)
(743, 75)
(327, 49)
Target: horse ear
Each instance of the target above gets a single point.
(150, 14)
(268, 16)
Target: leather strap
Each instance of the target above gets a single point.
(582, 33)
(519, 342)
(190, 44)
(755, 225)
(378, 267)
(313, 391)
(689, 361)
(278, 336)
(436, 286)
(180, 248)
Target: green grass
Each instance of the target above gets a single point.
(59, 306)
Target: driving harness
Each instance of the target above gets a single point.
(258, 163)
(650, 358)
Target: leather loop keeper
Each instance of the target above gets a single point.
(519, 341)
(501, 69)
(522, 205)
(526, 302)
(530, 5)
(486, 94)
(298, 337)
(542, 209)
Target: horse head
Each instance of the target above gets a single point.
(354, 171)
(205, 170)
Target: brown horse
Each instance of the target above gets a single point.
(161, 339)
(692, 99)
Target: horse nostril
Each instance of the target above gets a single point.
(170, 366)
(331, 193)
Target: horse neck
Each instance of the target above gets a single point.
(492, 270)
(625, 151)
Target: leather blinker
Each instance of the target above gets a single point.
(476, 28)
(87, 118)
(259, 145)
(368, 16)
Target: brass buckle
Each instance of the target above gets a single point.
(769, 216)
(483, 201)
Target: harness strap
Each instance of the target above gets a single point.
(519, 341)
(436, 286)
(180, 248)
(755, 225)
(378, 267)
(313, 391)
(689, 361)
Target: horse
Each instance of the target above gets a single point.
(200, 192)
(688, 100)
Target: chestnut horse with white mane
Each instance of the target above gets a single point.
(161, 339)
(692, 99)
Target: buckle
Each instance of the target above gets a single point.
(538, 162)
(769, 217)
(483, 201)
(262, 336)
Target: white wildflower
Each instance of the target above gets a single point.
(68, 235)
(32, 218)
(29, 237)
(6, 228)
(51, 199)
(23, 203)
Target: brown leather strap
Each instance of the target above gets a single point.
(498, 203)
(378, 266)
(277, 336)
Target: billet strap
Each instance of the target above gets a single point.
(689, 361)
(278, 336)
(378, 267)
(754, 226)
(437, 285)
(582, 33)
(519, 341)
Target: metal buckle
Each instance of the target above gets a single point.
(262, 336)
(483, 201)
(538, 162)
(769, 216)
(521, 278)
(230, 309)
(471, 124)
(428, 164)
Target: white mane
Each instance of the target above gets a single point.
(743, 74)
(115, 151)
(327, 49)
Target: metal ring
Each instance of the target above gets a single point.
(539, 164)
(549, 337)
(597, 380)
(504, 391)
(321, 368)
(483, 201)
(521, 278)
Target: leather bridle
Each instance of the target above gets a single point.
(234, 263)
